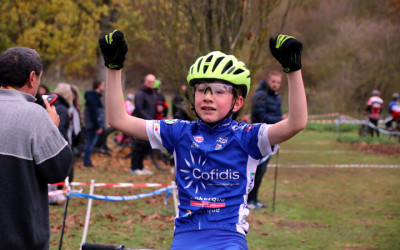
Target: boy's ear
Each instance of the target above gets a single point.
(238, 103)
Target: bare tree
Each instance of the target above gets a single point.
(183, 30)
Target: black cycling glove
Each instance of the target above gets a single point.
(114, 48)
(287, 50)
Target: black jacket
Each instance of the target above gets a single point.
(179, 107)
(62, 107)
(145, 104)
(266, 105)
(94, 110)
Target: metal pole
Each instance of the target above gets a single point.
(65, 214)
(275, 181)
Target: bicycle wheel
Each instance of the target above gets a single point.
(114, 139)
(363, 131)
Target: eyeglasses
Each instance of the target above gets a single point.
(217, 89)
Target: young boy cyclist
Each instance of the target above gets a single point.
(215, 157)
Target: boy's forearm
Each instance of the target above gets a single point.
(297, 117)
(115, 107)
(117, 116)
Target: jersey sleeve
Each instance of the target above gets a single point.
(163, 134)
(256, 139)
(263, 142)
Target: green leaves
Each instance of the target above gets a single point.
(53, 29)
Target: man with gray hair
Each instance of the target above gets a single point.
(145, 108)
(33, 153)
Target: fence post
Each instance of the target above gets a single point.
(87, 214)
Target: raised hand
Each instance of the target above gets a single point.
(114, 48)
(287, 50)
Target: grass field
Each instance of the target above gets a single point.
(316, 208)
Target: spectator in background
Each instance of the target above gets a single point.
(266, 108)
(33, 153)
(145, 108)
(373, 110)
(43, 90)
(129, 103)
(62, 104)
(74, 132)
(179, 104)
(161, 105)
(94, 120)
(123, 138)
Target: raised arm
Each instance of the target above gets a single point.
(287, 50)
(114, 48)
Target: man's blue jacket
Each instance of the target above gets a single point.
(266, 105)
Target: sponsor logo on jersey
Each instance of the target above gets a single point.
(212, 199)
(248, 129)
(171, 121)
(198, 138)
(239, 126)
(218, 147)
(261, 131)
(156, 127)
(206, 204)
(194, 145)
(209, 211)
(226, 124)
(198, 179)
(188, 213)
(252, 176)
(215, 174)
(222, 140)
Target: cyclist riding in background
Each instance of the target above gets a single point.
(394, 111)
(374, 108)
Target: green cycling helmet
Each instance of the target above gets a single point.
(157, 84)
(219, 66)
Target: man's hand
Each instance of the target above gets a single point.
(287, 50)
(114, 48)
(51, 110)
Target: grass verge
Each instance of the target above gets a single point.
(316, 208)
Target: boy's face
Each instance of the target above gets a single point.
(213, 101)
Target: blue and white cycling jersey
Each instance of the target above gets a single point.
(214, 169)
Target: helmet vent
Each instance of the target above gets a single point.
(209, 58)
(205, 69)
(219, 59)
(198, 65)
(238, 71)
(227, 66)
(230, 71)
